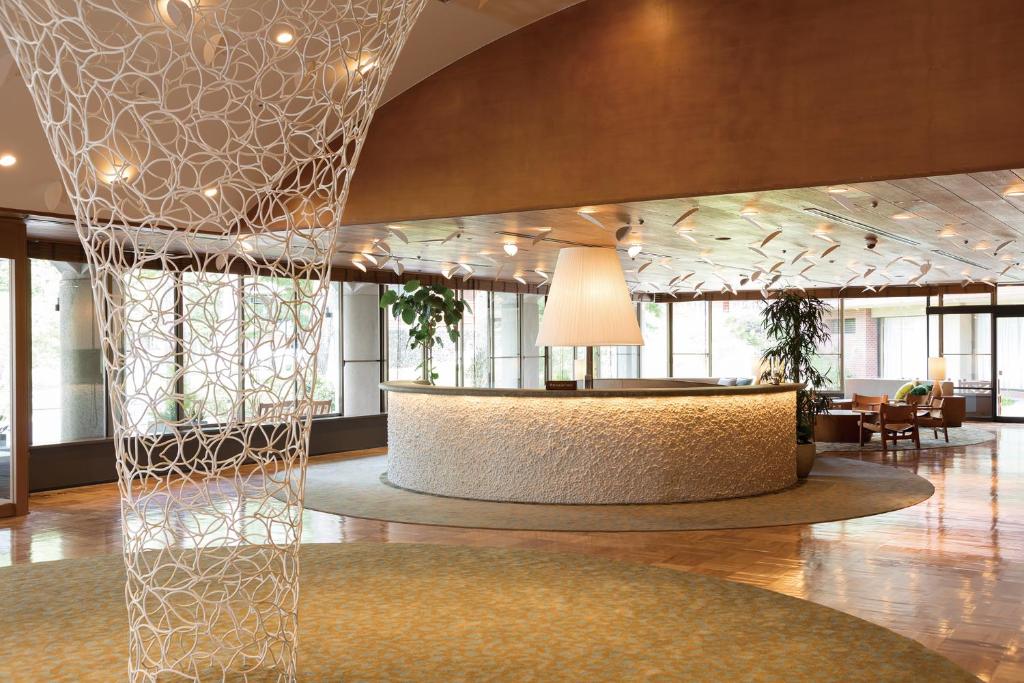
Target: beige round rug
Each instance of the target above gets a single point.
(838, 488)
(958, 436)
(374, 612)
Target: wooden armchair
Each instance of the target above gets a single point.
(935, 419)
(895, 423)
(862, 403)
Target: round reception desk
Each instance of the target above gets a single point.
(597, 446)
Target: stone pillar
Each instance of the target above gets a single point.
(82, 395)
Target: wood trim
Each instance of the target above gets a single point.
(21, 358)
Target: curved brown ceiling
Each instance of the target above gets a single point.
(610, 101)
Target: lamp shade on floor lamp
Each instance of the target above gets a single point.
(589, 303)
(937, 373)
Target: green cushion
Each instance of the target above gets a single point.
(920, 390)
(902, 392)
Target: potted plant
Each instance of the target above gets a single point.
(795, 324)
(424, 308)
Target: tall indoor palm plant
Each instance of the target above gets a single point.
(795, 325)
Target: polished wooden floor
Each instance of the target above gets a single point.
(948, 572)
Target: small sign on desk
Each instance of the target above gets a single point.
(560, 385)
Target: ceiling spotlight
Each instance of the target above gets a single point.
(634, 250)
(210, 192)
(1011, 191)
(8, 160)
(359, 264)
(511, 249)
(284, 37)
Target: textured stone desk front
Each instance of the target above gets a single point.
(622, 446)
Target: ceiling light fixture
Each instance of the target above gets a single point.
(1014, 190)
(948, 231)
(210, 192)
(838, 189)
(284, 37)
(749, 211)
(587, 209)
(511, 248)
(8, 160)
(903, 216)
(634, 250)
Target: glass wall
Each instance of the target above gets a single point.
(654, 352)
(690, 350)
(506, 339)
(476, 340)
(615, 362)
(885, 338)
(404, 364)
(68, 390)
(828, 359)
(531, 311)
(737, 338)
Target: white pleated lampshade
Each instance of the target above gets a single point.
(589, 304)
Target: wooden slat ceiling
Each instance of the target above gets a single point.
(957, 228)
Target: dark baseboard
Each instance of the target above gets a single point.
(80, 463)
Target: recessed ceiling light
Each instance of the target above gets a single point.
(284, 37)
(588, 209)
(1014, 191)
(511, 249)
(210, 192)
(947, 232)
(838, 189)
(903, 216)
(749, 211)
(634, 250)
(8, 160)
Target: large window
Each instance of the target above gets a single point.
(737, 338)
(885, 337)
(212, 372)
(967, 346)
(404, 363)
(506, 340)
(533, 355)
(654, 352)
(476, 340)
(68, 391)
(150, 304)
(827, 361)
(690, 353)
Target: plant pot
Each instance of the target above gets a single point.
(805, 453)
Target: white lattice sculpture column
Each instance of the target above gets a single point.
(207, 148)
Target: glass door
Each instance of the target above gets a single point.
(1010, 367)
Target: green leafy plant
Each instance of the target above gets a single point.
(425, 308)
(796, 327)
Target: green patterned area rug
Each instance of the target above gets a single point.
(374, 612)
(958, 436)
(838, 488)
